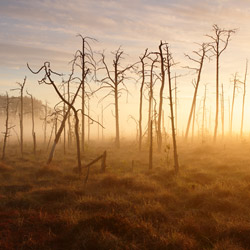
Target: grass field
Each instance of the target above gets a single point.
(205, 206)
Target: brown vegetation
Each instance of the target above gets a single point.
(205, 206)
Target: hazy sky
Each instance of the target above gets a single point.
(35, 31)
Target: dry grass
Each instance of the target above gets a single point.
(206, 206)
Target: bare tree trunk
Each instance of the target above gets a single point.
(193, 120)
(141, 97)
(83, 94)
(45, 124)
(169, 64)
(196, 84)
(176, 102)
(219, 43)
(64, 129)
(217, 94)
(78, 147)
(51, 155)
(243, 101)
(150, 100)
(69, 120)
(6, 134)
(151, 145)
(232, 110)
(204, 112)
(21, 88)
(33, 123)
(159, 135)
(88, 122)
(98, 129)
(222, 111)
(117, 138)
(102, 125)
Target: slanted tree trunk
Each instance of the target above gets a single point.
(232, 109)
(204, 114)
(201, 56)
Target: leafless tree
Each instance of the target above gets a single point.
(47, 79)
(21, 89)
(151, 145)
(33, 122)
(170, 63)
(204, 113)
(87, 64)
(113, 80)
(219, 43)
(222, 111)
(151, 94)
(143, 76)
(201, 54)
(243, 101)
(7, 128)
(162, 57)
(235, 83)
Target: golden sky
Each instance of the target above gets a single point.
(35, 31)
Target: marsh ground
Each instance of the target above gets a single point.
(205, 206)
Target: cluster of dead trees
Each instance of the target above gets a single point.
(153, 67)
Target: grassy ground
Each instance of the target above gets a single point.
(206, 206)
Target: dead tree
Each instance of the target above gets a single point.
(151, 145)
(87, 63)
(21, 89)
(33, 122)
(162, 79)
(176, 103)
(218, 45)
(170, 63)
(112, 81)
(204, 113)
(141, 95)
(235, 83)
(45, 122)
(201, 55)
(102, 157)
(151, 94)
(222, 111)
(48, 80)
(7, 128)
(243, 101)
(130, 117)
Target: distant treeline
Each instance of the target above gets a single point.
(14, 108)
